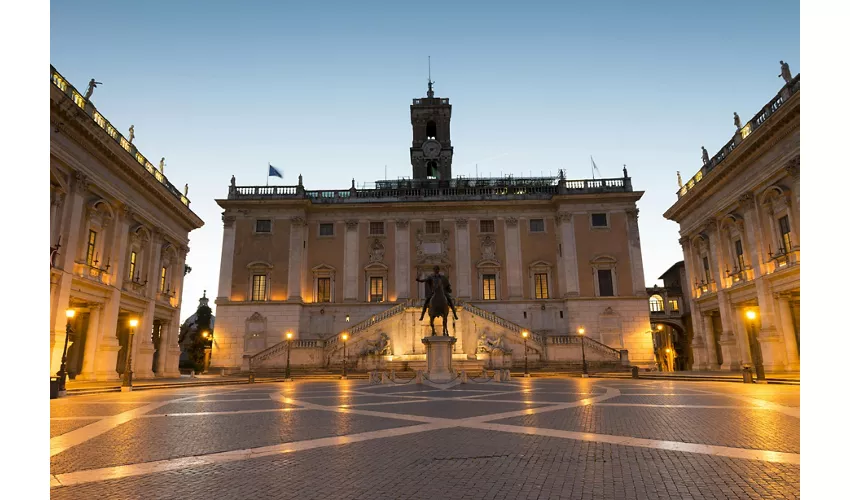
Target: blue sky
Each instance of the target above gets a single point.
(323, 89)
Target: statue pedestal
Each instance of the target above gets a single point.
(438, 353)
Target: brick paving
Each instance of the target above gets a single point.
(387, 450)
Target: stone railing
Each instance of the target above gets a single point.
(90, 272)
(281, 346)
(419, 189)
(500, 321)
(62, 84)
(738, 276)
(136, 287)
(704, 288)
(785, 259)
(589, 343)
(751, 126)
(332, 342)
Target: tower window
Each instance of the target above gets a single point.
(376, 228)
(264, 226)
(599, 220)
(431, 130)
(487, 226)
(432, 226)
(326, 229)
(536, 226)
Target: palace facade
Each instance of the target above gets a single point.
(739, 220)
(548, 255)
(119, 237)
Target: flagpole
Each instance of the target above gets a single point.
(268, 171)
(592, 173)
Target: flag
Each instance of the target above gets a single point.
(595, 168)
(273, 172)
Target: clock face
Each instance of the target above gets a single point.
(431, 148)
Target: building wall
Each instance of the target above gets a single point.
(743, 198)
(98, 185)
(625, 325)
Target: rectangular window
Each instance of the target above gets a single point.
(326, 229)
(132, 264)
(739, 254)
(606, 282)
(599, 220)
(162, 276)
(541, 286)
(376, 228)
(487, 226)
(706, 269)
(489, 292)
(785, 233)
(376, 289)
(90, 249)
(536, 226)
(264, 226)
(258, 288)
(674, 305)
(324, 290)
(432, 226)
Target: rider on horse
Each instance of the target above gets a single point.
(432, 282)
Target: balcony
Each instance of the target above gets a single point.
(704, 288)
(136, 286)
(785, 259)
(92, 272)
(739, 276)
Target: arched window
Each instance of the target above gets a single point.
(431, 130)
(656, 303)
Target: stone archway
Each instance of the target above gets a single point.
(680, 340)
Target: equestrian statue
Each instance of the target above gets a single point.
(438, 299)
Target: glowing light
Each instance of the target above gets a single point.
(70, 313)
(581, 330)
(751, 315)
(288, 335)
(344, 337)
(134, 322)
(524, 333)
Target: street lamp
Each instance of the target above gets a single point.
(525, 344)
(127, 385)
(344, 339)
(755, 345)
(288, 350)
(69, 313)
(583, 361)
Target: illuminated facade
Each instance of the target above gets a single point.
(739, 220)
(543, 254)
(119, 234)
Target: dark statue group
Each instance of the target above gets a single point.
(438, 299)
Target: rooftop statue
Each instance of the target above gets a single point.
(132, 134)
(785, 72)
(705, 158)
(737, 120)
(92, 85)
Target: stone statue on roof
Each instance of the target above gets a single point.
(132, 134)
(737, 120)
(186, 189)
(232, 181)
(705, 158)
(162, 165)
(92, 85)
(679, 179)
(785, 72)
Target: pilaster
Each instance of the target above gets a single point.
(93, 334)
(351, 267)
(402, 258)
(567, 260)
(228, 244)
(462, 252)
(513, 256)
(635, 255)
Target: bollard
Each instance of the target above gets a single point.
(463, 377)
(635, 372)
(250, 378)
(384, 378)
(748, 375)
(507, 377)
(418, 376)
(192, 374)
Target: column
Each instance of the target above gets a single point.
(402, 258)
(228, 243)
(730, 339)
(169, 349)
(351, 262)
(92, 338)
(513, 258)
(66, 260)
(142, 346)
(635, 255)
(786, 323)
(752, 232)
(296, 251)
(568, 263)
(464, 276)
(710, 341)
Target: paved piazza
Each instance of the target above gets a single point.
(539, 438)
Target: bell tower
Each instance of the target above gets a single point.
(431, 151)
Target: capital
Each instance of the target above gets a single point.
(746, 200)
(511, 221)
(633, 213)
(461, 222)
(297, 221)
(793, 168)
(351, 224)
(227, 220)
(561, 217)
(81, 182)
(402, 223)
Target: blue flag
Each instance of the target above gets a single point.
(273, 172)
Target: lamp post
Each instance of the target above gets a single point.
(525, 344)
(288, 350)
(755, 346)
(127, 385)
(62, 373)
(344, 340)
(583, 361)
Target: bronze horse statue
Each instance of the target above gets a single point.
(439, 307)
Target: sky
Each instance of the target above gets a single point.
(323, 89)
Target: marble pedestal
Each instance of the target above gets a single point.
(438, 354)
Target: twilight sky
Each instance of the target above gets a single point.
(323, 89)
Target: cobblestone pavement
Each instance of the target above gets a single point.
(529, 438)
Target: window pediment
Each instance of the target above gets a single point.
(488, 263)
(259, 265)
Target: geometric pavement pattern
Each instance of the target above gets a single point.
(559, 437)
